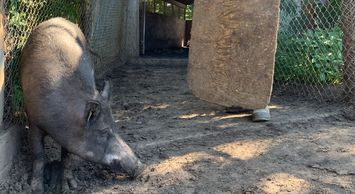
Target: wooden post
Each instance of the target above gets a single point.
(2, 59)
(144, 25)
(232, 52)
(164, 7)
(348, 25)
(155, 6)
(85, 9)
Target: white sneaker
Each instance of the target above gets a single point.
(261, 115)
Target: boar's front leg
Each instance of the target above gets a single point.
(69, 181)
(36, 139)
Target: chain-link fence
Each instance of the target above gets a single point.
(309, 59)
(21, 17)
(104, 24)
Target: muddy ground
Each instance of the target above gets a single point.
(191, 146)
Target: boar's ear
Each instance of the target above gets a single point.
(106, 92)
(93, 109)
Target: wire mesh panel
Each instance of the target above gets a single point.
(21, 17)
(104, 24)
(309, 59)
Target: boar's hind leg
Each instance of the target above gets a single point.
(69, 181)
(36, 138)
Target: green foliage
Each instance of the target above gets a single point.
(69, 9)
(189, 12)
(312, 57)
(23, 16)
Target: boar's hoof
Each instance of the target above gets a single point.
(69, 182)
(138, 171)
(72, 183)
(37, 186)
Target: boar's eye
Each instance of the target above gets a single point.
(92, 111)
(103, 132)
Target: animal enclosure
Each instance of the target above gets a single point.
(193, 146)
(310, 59)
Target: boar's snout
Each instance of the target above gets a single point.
(120, 157)
(133, 170)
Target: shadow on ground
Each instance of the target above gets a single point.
(191, 146)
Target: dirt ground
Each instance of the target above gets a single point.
(191, 146)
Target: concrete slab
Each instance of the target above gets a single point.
(232, 51)
(9, 144)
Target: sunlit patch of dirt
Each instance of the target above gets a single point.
(233, 116)
(157, 106)
(246, 149)
(177, 163)
(284, 183)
